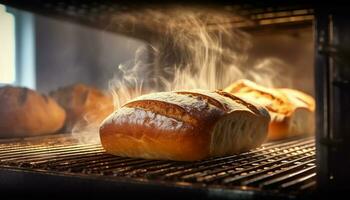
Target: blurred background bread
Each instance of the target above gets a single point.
(83, 104)
(292, 111)
(25, 112)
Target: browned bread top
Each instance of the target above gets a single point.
(272, 99)
(184, 125)
(25, 112)
(192, 106)
(299, 98)
(291, 110)
(83, 104)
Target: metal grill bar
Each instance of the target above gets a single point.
(243, 162)
(212, 164)
(279, 166)
(264, 170)
(48, 153)
(278, 173)
(286, 177)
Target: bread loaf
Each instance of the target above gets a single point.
(302, 120)
(185, 126)
(24, 112)
(291, 111)
(83, 104)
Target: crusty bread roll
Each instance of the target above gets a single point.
(291, 111)
(24, 112)
(184, 126)
(83, 104)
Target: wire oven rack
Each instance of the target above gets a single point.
(284, 167)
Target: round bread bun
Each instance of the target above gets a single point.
(25, 112)
(83, 104)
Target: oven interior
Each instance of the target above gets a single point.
(281, 169)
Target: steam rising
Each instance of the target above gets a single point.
(189, 53)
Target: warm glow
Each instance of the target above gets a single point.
(192, 53)
(206, 56)
(7, 47)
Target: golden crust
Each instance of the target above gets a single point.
(138, 140)
(83, 104)
(278, 129)
(164, 108)
(177, 126)
(284, 105)
(278, 102)
(25, 112)
(210, 100)
(301, 96)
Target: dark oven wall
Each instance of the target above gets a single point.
(291, 53)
